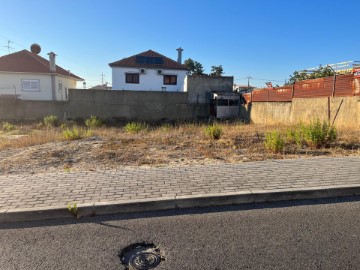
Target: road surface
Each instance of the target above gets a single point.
(317, 234)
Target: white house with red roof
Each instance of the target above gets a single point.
(26, 75)
(149, 71)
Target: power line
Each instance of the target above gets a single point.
(258, 79)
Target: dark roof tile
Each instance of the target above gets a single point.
(131, 62)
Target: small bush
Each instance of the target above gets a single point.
(71, 134)
(319, 134)
(214, 132)
(296, 135)
(7, 127)
(68, 124)
(51, 121)
(274, 142)
(93, 122)
(135, 127)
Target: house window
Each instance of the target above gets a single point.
(170, 79)
(60, 86)
(30, 85)
(132, 78)
(223, 102)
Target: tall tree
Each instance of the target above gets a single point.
(194, 67)
(217, 71)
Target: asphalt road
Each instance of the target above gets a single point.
(321, 234)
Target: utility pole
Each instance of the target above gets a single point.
(8, 46)
(248, 78)
(102, 78)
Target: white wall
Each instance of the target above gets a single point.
(67, 83)
(9, 80)
(150, 81)
(10, 84)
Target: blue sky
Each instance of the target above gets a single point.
(257, 38)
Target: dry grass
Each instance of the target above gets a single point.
(111, 147)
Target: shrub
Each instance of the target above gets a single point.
(274, 142)
(135, 127)
(7, 127)
(319, 134)
(214, 132)
(93, 122)
(51, 121)
(296, 135)
(71, 134)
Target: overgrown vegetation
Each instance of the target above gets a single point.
(274, 141)
(315, 134)
(93, 122)
(7, 127)
(135, 127)
(214, 131)
(71, 134)
(168, 144)
(51, 121)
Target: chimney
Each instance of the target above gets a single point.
(179, 54)
(52, 61)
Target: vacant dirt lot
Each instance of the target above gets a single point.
(33, 148)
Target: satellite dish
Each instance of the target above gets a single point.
(35, 48)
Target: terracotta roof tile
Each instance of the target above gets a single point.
(131, 62)
(28, 62)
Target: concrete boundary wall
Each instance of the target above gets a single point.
(126, 105)
(305, 110)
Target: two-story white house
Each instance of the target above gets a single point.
(149, 71)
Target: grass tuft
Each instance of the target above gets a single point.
(51, 121)
(135, 127)
(93, 122)
(214, 132)
(274, 141)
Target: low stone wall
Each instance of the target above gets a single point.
(345, 109)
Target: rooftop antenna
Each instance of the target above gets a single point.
(8, 46)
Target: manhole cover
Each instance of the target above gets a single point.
(141, 256)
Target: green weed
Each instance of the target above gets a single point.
(7, 127)
(73, 209)
(214, 131)
(71, 134)
(93, 122)
(274, 141)
(135, 127)
(51, 121)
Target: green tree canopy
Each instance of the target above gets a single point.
(320, 72)
(217, 71)
(194, 67)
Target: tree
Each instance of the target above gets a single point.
(217, 71)
(194, 67)
(320, 72)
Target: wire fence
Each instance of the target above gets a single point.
(334, 86)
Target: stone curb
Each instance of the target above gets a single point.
(177, 202)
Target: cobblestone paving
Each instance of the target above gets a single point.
(58, 189)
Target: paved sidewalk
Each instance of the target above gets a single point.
(56, 190)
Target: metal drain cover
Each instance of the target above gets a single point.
(141, 256)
